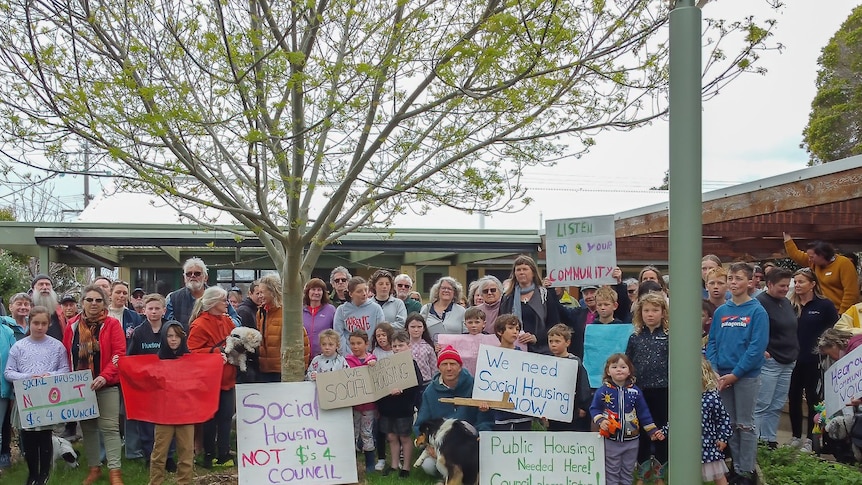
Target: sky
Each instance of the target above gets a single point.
(751, 130)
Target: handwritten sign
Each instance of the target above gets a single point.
(60, 398)
(581, 251)
(360, 385)
(468, 346)
(539, 458)
(600, 342)
(843, 381)
(539, 385)
(283, 437)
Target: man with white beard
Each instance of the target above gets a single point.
(44, 295)
(180, 302)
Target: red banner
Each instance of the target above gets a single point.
(171, 391)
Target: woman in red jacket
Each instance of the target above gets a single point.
(208, 332)
(93, 341)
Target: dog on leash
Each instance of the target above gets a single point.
(240, 342)
(63, 451)
(455, 444)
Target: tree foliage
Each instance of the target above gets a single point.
(834, 129)
(307, 120)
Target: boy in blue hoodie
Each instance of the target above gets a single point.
(737, 340)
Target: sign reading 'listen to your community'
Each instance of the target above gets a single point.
(581, 251)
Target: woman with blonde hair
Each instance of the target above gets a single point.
(269, 322)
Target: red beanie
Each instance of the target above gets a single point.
(449, 353)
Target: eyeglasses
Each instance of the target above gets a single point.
(93, 300)
(382, 274)
(340, 280)
(489, 291)
(632, 292)
(403, 285)
(446, 288)
(195, 274)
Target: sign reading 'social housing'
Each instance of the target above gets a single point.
(60, 398)
(581, 251)
(283, 437)
(541, 458)
(538, 385)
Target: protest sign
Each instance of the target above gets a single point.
(283, 437)
(541, 458)
(467, 346)
(539, 385)
(59, 398)
(600, 342)
(581, 251)
(360, 385)
(843, 381)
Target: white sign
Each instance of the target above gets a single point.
(60, 398)
(539, 385)
(843, 381)
(284, 437)
(581, 251)
(359, 385)
(540, 458)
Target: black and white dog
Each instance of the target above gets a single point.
(63, 451)
(455, 444)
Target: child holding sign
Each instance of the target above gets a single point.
(363, 414)
(173, 346)
(559, 339)
(396, 415)
(35, 356)
(507, 327)
(619, 401)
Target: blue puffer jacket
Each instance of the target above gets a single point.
(628, 405)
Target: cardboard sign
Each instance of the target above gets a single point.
(60, 398)
(360, 385)
(537, 458)
(581, 251)
(843, 381)
(539, 385)
(467, 346)
(600, 342)
(283, 437)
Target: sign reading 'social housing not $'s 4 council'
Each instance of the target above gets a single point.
(581, 251)
(283, 437)
(59, 398)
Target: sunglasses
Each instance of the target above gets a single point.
(340, 280)
(632, 292)
(195, 274)
(489, 291)
(93, 300)
(403, 285)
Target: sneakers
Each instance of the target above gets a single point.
(380, 466)
(806, 446)
(225, 462)
(404, 473)
(5, 460)
(794, 443)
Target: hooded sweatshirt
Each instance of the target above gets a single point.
(165, 351)
(432, 407)
(737, 339)
(349, 317)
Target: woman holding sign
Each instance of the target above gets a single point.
(36, 356)
(92, 342)
(529, 300)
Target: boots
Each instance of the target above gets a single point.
(370, 461)
(94, 475)
(116, 476)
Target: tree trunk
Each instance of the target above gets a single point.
(292, 348)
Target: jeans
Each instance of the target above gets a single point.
(774, 385)
(739, 400)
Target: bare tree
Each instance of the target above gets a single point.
(306, 120)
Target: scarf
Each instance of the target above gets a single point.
(491, 311)
(88, 345)
(516, 305)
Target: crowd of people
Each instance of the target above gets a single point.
(761, 341)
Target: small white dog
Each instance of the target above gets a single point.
(241, 341)
(63, 451)
(841, 428)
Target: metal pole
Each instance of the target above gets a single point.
(86, 174)
(685, 246)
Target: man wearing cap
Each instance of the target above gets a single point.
(136, 301)
(44, 295)
(452, 381)
(69, 304)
